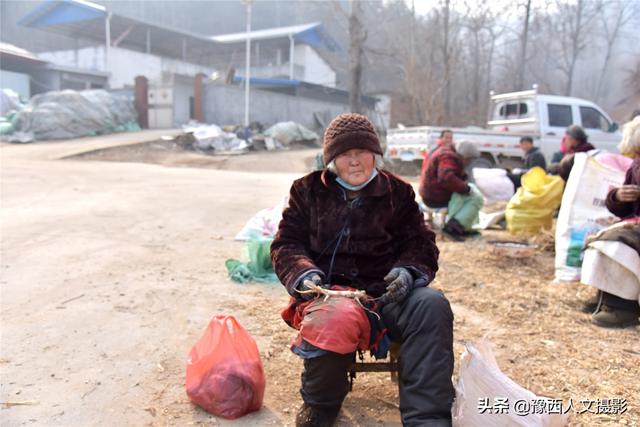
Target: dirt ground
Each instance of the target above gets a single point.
(112, 267)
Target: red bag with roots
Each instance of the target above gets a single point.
(336, 324)
(224, 371)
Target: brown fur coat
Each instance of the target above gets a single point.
(381, 229)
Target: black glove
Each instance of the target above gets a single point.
(306, 284)
(399, 285)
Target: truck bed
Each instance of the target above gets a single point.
(409, 144)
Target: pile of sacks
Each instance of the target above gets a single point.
(74, 114)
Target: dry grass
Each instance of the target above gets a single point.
(541, 339)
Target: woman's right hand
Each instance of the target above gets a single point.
(628, 193)
(306, 288)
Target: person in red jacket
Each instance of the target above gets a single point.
(445, 180)
(446, 137)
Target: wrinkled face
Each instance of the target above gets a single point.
(355, 166)
(570, 141)
(447, 138)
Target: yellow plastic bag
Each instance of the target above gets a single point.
(531, 208)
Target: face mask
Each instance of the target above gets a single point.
(344, 184)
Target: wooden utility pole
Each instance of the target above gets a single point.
(357, 38)
(523, 49)
(447, 63)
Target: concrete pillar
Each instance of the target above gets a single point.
(107, 43)
(198, 98)
(140, 92)
(292, 49)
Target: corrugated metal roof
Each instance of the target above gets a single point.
(15, 51)
(267, 81)
(271, 33)
(77, 18)
(58, 12)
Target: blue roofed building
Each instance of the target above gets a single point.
(292, 61)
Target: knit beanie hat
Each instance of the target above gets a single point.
(348, 131)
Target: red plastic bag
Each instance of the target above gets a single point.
(224, 371)
(336, 324)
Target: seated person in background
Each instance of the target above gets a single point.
(532, 157)
(616, 304)
(576, 141)
(444, 184)
(446, 137)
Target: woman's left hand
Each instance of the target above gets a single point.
(399, 285)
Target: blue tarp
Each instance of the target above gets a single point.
(267, 81)
(54, 12)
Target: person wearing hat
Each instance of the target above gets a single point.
(357, 225)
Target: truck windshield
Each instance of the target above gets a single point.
(592, 119)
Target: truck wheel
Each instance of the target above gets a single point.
(393, 165)
(416, 167)
(481, 162)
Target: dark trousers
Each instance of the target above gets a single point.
(516, 179)
(423, 324)
(618, 303)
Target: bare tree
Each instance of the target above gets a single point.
(573, 23)
(446, 58)
(443, 63)
(357, 37)
(612, 26)
(523, 50)
(479, 24)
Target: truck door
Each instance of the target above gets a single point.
(559, 117)
(554, 119)
(599, 128)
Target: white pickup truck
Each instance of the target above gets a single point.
(512, 115)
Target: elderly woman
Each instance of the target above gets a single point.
(612, 259)
(357, 225)
(575, 140)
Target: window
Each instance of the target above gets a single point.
(559, 115)
(510, 110)
(513, 110)
(592, 119)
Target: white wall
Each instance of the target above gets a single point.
(182, 92)
(383, 110)
(316, 70)
(124, 64)
(17, 82)
(88, 58)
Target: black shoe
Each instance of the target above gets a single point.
(454, 230)
(316, 416)
(609, 317)
(591, 305)
(454, 227)
(452, 236)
